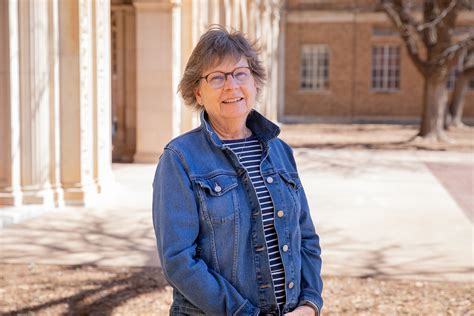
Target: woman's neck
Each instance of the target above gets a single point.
(237, 130)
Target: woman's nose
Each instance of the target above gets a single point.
(230, 82)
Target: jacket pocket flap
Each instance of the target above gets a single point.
(291, 179)
(218, 185)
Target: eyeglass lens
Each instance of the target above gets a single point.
(217, 79)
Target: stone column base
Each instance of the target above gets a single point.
(81, 196)
(11, 198)
(43, 197)
(146, 157)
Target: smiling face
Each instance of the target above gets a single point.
(231, 103)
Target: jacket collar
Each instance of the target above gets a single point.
(260, 126)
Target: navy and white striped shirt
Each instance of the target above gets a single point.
(249, 152)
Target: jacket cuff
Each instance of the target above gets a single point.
(246, 309)
(313, 299)
(310, 304)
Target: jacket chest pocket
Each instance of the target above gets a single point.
(292, 185)
(218, 197)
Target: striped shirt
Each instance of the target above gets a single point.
(249, 152)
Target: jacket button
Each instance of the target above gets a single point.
(290, 285)
(280, 213)
(260, 248)
(217, 188)
(285, 248)
(270, 180)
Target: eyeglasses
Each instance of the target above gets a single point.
(217, 79)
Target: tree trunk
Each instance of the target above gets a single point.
(456, 106)
(434, 105)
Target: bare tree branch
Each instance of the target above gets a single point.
(468, 61)
(468, 4)
(454, 51)
(439, 18)
(404, 23)
(469, 71)
(435, 32)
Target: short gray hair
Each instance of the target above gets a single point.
(213, 47)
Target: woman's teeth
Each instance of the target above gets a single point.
(232, 100)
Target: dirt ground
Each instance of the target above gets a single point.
(88, 290)
(373, 136)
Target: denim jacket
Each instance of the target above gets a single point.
(209, 231)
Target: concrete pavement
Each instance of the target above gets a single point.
(385, 214)
(396, 214)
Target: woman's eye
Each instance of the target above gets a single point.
(241, 75)
(217, 78)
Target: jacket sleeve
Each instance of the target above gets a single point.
(176, 223)
(311, 282)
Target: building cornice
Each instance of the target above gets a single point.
(155, 5)
(317, 16)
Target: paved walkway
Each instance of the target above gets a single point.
(399, 214)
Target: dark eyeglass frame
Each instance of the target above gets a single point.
(231, 73)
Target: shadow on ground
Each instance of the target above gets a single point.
(373, 137)
(105, 237)
(77, 290)
(88, 289)
(343, 255)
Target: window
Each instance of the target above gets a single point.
(384, 31)
(454, 72)
(463, 30)
(386, 68)
(314, 67)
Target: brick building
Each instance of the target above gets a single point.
(345, 63)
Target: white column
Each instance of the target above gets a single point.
(102, 87)
(244, 16)
(274, 62)
(154, 79)
(236, 22)
(266, 56)
(281, 66)
(214, 12)
(252, 14)
(176, 66)
(55, 158)
(200, 19)
(228, 13)
(35, 103)
(10, 153)
(186, 49)
(77, 102)
(259, 34)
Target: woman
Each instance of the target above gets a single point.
(232, 222)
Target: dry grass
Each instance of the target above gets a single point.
(89, 290)
(372, 136)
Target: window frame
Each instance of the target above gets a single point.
(385, 69)
(453, 75)
(318, 68)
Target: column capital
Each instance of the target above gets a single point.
(153, 5)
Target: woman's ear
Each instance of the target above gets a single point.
(197, 94)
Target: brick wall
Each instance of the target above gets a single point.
(349, 96)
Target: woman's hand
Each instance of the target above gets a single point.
(302, 311)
